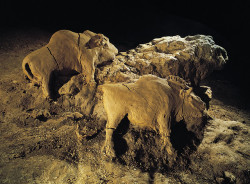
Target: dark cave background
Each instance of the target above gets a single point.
(128, 23)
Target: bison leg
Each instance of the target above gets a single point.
(45, 87)
(165, 130)
(110, 128)
(108, 148)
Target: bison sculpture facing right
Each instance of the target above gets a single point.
(65, 53)
(152, 103)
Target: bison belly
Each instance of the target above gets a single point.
(140, 114)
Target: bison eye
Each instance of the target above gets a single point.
(105, 45)
(102, 42)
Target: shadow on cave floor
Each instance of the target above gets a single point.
(182, 139)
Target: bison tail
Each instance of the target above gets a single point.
(26, 69)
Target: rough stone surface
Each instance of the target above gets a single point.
(192, 58)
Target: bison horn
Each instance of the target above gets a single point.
(189, 91)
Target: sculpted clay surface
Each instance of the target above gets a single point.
(66, 53)
(150, 103)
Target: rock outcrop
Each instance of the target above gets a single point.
(193, 57)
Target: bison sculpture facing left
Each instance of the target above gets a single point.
(151, 103)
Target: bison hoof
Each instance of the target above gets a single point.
(171, 152)
(109, 152)
(172, 155)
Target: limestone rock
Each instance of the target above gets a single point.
(74, 116)
(77, 92)
(73, 86)
(192, 58)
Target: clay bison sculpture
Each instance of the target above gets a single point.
(151, 103)
(68, 52)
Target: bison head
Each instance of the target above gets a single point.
(191, 110)
(101, 45)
